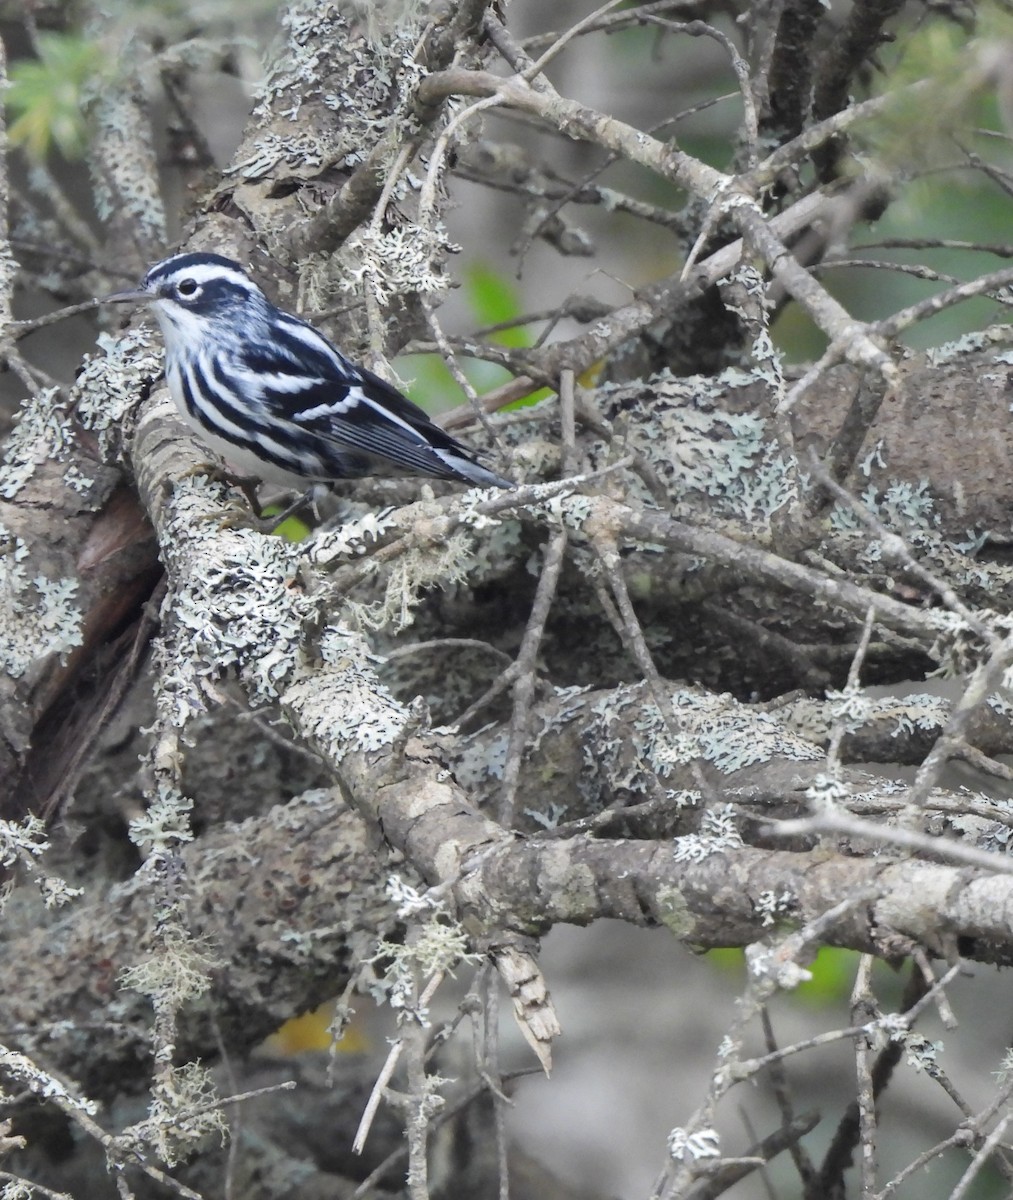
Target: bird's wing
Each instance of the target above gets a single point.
(304, 379)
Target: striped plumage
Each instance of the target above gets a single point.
(274, 397)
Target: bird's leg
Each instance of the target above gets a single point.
(220, 473)
(247, 484)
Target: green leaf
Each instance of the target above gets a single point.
(45, 96)
(494, 299)
(833, 972)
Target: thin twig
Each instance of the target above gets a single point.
(387, 1070)
(779, 1085)
(524, 685)
(981, 1157)
(839, 726)
(564, 39)
(863, 1004)
(454, 367)
(21, 329)
(893, 835)
(739, 66)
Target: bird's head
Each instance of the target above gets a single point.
(194, 295)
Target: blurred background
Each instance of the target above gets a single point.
(643, 1017)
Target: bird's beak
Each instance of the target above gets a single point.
(134, 297)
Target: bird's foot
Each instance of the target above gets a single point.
(247, 484)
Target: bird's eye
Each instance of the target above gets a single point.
(187, 287)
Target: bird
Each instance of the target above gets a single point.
(274, 397)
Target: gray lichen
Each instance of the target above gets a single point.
(702, 451)
(718, 833)
(40, 434)
(38, 616)
(105, 391)
(241, 609)
(341, 704)
(328, 58)
(124, 166)
(237, 609)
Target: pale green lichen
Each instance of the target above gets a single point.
(76, 481)
(569, 510)
(351, 539)
(826, 793)
(164, 826)
(773, 907)
(330, 58)
(921, 1054)
(178, 970)
(435, 945)
(22, 841)
(973, 543)
(37, 616)
(57, 892)
(105, 391)
(499, 545)
(850, 707)
(307, 151)
(123, 161)
(412, 572)
(718, 833)
(733, 735)
(655, 757)
(684, 1146)
(19, 1068)
(875, 458)
(674, 912)
(40, 434)
(697, 449)
(342, 707)
(238, 608)
(480, 760)
(769, 965)
(967, 344)
(550, 817)
(916, 711)
(812, 718)
(242, 608)
(396, 261)
(958, 649)
(183, 1113)
(901, 504)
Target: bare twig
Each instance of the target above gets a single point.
(387, 1072)
(981, 1157)
(524, 685)
(892, 835)
(863, 1006)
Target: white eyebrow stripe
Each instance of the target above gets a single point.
(202, 273)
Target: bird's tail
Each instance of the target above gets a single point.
(463, 466)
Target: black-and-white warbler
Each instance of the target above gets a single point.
(274, 397)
